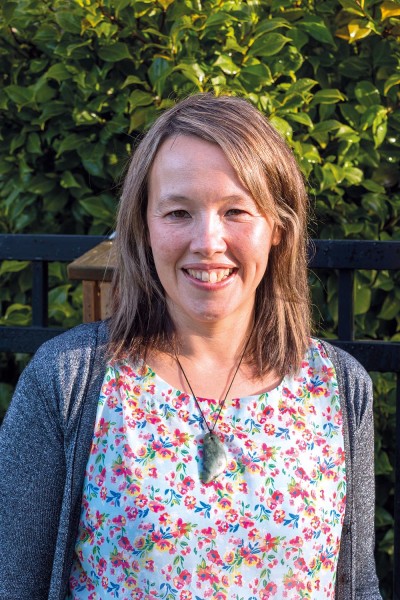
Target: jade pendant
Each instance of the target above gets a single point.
(214, 458)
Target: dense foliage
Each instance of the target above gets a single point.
(81, 79)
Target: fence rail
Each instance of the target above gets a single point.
(344, 256)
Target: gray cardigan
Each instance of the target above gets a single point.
(44, 447)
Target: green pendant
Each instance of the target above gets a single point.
(214, 458)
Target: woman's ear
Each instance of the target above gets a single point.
(276, 235)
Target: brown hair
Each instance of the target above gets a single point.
(267, 168)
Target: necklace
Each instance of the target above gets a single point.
(214, 456)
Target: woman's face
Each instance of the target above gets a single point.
(210, 242)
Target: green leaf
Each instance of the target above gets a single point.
(17, 314)
(367, 94)
(69, 181)
(13, 266)
(328, 96)
(227, 65)
(68, 21)
(116, 52)
(317, 29)
(362, 300)
(390, 308)
(300, 117)
(59, 72)
(70, 142)
(268, 45)
(390, 82)
(22, 96)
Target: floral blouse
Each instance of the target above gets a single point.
(268, 527)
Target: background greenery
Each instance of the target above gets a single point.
(81, 79)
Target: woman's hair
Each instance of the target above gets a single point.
(267, 168)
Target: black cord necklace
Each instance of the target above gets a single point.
(214, 456)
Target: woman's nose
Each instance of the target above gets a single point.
(208, 236)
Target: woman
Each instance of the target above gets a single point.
(199, 444)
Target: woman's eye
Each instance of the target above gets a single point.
(179, 214)
(234, 212)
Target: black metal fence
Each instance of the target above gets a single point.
(344, 256)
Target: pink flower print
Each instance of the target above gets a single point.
(125, 544)
(246, 523)
(149, 565)
(118, 560)
(190, 502)
(112, 402)
(185, 485)
(119, 521)
(184, 578)
(164, 519)
(181, 528)
(267, 453)
(243, 487)
(203, 573)
(269, 429)
(152, 418)
(101, 567)
(140, 543)
(120, 468)
(224, 427)
(180, 438)
(222, 526)
(104, 582)
(220, 595)
(185, 595)
(102, 428)
(156, 506)
(225, 502)
(277, 496)
(249, 558)
(286, 393)
(99, 479)
(327, 373)
(162, 429)
(300, 472)
(238, 580)
(269, 590)
(269, 543)
(140, 500)
(161, 450)
(183, 415)
(100, 519)
(231, 516)
(209, 533)
(214, 557)
(301, 564)
(279, 516)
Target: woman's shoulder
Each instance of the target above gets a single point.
(65, 369)
(82, 337)
(355, 384)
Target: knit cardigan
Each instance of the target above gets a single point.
(45, 443)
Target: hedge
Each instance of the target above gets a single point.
(82, 79)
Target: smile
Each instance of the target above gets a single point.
(213, 276)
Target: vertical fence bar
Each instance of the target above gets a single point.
(396, 555)
(346, 304)
(39, 293)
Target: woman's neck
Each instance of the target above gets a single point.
(210, 357)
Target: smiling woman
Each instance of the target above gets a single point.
(200, 444)
(209, 241)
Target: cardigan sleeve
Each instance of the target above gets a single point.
(357, 562)
(364, 493)
(32, 475)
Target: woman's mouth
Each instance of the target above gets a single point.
(211, 276)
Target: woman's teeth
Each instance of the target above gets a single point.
(210, 276)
